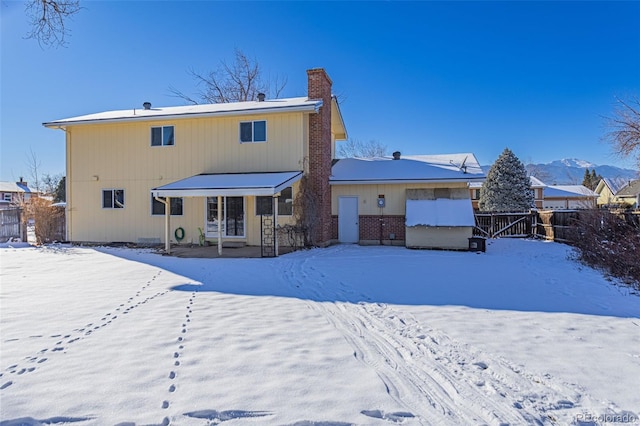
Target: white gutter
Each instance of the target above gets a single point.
(61, 124)
(403, 181)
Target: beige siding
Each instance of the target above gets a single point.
(452, 238)
(395, 196)
(606, 197)
(120, 156)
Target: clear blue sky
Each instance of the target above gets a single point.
(419, 77)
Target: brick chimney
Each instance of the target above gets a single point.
(319, 87)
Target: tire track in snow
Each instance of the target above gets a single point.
(436, 378)
(31, 363)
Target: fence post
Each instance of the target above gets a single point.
(22, 224)
(492, 226)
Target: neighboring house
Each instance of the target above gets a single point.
(550, 196)
(419, 201)
(618, 192)
(536, 184)
(607, 189)
(629, 195)
(14, 193)
(569, 197)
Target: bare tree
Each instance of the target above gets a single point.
(50, 183)
(354, 148)
(624, 128)
(538, 171)
(239, 81)
(33, 164)
(48, 20)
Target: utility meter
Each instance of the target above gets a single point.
(381, 201)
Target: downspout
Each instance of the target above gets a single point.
(219, 225)
(275, 224)
(167, 223)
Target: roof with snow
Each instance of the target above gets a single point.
(408, 169)
(228, 184)
(615, 184)
(440, 212)
(569, 191)
(14, 187)
(535, 183)
(632, 189)
(204, 110)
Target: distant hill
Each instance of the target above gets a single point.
(570, 171)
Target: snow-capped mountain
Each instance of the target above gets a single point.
(570, 171)
(574, 162)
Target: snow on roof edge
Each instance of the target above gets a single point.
(188, 111)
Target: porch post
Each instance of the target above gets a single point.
(219, 225)
(275, 224)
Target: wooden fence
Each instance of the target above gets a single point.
(11, 225)
(493, 225)
(554, 225)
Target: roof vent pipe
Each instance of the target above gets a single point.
(396, 155)
(261, 97)
(146, 105)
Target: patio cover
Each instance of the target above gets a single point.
(228, 184)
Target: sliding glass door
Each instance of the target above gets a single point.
(233, 217)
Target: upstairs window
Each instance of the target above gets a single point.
(264, 205)
(253, 131)
(113, 198)
(162, 136)
(157, 207)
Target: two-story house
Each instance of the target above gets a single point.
(15, 193)
(218, 166)
(231, 172)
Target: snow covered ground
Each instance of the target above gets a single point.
(520, 334)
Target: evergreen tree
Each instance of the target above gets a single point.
(591, 179)
(595, 179)
(507, 187)
(60, 194)
(586, 180)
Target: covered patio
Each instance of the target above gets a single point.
(219, 185)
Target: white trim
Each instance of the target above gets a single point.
(309, 106)
(113, 201)
(162, 145)
(403, 181)
(246, 184)
(253, 131)
(222, 218)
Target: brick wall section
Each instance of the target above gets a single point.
(370, 227)
(334, 228)
(319, 87)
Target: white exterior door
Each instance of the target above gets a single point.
(348, 220)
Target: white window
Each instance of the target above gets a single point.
(162, 136)
(253, 131)
(157, 207)
(7, 196)
(113, 198)
(264, 205)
